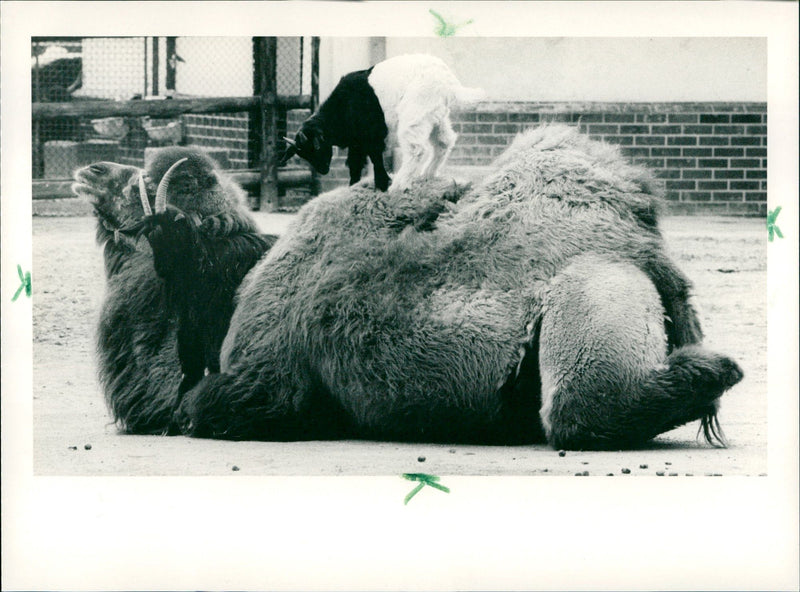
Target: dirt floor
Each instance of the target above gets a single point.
(73, 433)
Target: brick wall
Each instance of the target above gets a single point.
(227, 137)
(712, 157)
(228, 134)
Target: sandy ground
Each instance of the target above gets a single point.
(73, 433)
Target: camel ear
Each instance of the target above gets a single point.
(214, 178)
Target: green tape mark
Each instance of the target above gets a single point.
(771, 226)
(25, 285)
(424, 479)
(445, 29)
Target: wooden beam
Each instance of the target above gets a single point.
(294, 101)
(247, 178)
(287, 178)
(172, 62)
(314, 73)
(51, 189)
(316, 185)
(160, 108)
(155, 66)
(294, 177)
(163, 108)
(265, 63)
(38, 149)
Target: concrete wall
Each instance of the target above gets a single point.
(576, 69)
(340, 55)
(510, 69)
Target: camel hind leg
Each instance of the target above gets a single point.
(607, 381)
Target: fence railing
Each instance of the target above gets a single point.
(266, 108)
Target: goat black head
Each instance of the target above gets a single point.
(310, 144)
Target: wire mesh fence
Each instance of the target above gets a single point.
(93, 69)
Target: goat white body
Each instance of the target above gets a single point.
(416, 93)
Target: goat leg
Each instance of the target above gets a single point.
(381, 176)
(356, 160)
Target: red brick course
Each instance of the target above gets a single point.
(711, 156)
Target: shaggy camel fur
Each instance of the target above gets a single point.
(142, 316)
(539, 306)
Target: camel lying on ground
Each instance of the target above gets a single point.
(537, 305)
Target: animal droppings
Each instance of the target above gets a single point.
(609, 474)
(562, 453)
(582, 474)
(452, 451)
(420, 459)
(642, 466)
(234, 468)
(87, 446)
(666, 462)
(72, 447)
(660, 473)
(689, 475)
(584, 462)
(673, 474)
(625, 471)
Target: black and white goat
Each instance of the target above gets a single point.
(404, 101)
(202, 256)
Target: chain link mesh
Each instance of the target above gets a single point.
(134, 68)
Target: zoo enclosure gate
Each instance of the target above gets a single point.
(121, 98)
